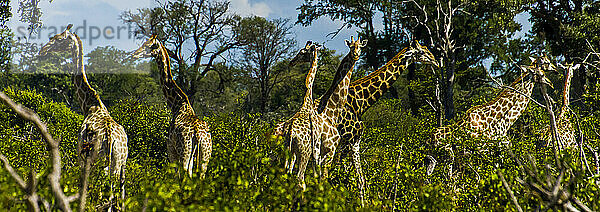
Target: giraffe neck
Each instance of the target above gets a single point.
(174, 95)
(86, 95)
(365, 91)
(565, 93)
(336, 96)
(310, 78)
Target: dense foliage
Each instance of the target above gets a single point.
(246, 170)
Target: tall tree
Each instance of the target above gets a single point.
(200, 25)
(383, 43)
(109, 59)
(267, 42)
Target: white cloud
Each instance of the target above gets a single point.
(245, 8)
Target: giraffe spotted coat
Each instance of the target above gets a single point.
(101, 132)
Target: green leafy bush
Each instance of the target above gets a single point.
(246, 169)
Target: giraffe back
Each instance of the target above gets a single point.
(101, 135)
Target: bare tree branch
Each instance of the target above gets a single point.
(551, 192)
(12, 172)
(54, 176)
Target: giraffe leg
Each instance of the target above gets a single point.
(206, 153)
(295, 156)
(122, 165)
(316, 144)
(189, 149)
(189, 164)
(304, 157)
(122, 182)
(111, 169)
(316, 154)
(289, 157)
(329, 153)
(356, 159)
(295, 153)
(111, 195)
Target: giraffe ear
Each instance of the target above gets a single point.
(69, 27)
(364, 43)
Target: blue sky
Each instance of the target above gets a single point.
(100, 16)
(105, 13)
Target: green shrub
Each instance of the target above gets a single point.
(246, 171)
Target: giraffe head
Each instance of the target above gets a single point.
(305, 54)
(543, 62)
(148, 48)
(537, 68)
(93, 109)
(418, 53)
(59, 43)
(355, 47)
(569, 68)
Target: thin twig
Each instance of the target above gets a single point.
(583, 157)
(510, 192)
(552, 124)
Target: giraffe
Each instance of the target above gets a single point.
(99, 132)
(564, 127)
(362, 94)
(299, 130)
(493, 119)
(331, 104)
(189, 136)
